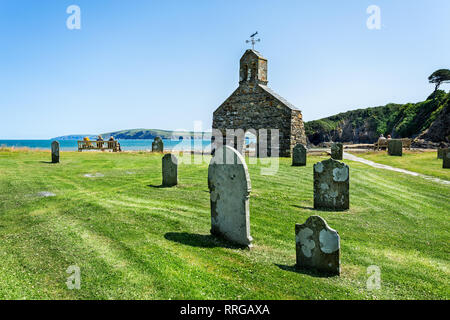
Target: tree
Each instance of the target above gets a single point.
(439, 77)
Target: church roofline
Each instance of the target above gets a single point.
(278, 97)
(259, 55)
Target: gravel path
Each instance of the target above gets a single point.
(352, 157)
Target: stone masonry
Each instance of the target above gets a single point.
(317, 246)
(55, 152)
(254, 106)
(331, 185)
(229, 186)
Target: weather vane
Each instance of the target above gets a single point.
(252, 40)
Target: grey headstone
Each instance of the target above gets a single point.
(331, 185)
(170, 170)
(55, 152)
(446, 158)
(337, 151)
(395, 147)
(229, 187)
(299, 155)
(317, 246)
(157, 145)
(440, 153)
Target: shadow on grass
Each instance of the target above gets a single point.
(311, 273)
(302, 207)
(200, 240)
(47, 162)
(158, 187)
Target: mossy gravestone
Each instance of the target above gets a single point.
(229, 187)
(395, 147)
(331, 185)
(317, 246)
(299, 155)
(337, 151)
(446, 158)
(55, 152)
(170, 170)
(157, 145)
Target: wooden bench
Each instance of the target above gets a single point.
(99, 145)
(382, 143)
(406, 143)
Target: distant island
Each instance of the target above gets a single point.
(138, 134)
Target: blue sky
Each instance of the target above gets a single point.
(165, 64)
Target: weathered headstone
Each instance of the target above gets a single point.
(395, 147)
(157, 145)
(169, 170)
(317, 246)
(440, 153)
(229, 187)
(337, 151)
(446, 158)
(299, 155)
(331, 185)
(55, 152)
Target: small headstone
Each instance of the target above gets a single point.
(170, 170)
(317, 246)
(446, 158)
(395, 147)
(440, 153)
(157, 145)
(55, 152)
(337, 151)
(299, 155)
(229, 187)
(331, 185)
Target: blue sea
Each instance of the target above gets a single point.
(126, 144)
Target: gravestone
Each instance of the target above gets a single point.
(55, 152)
(337, 151)
(331, 185)
(395, 147)
(440, 153)
(157, 145)
(170, 170)
(229, 186)
(299, 155)
(446, 158)
(317, 246)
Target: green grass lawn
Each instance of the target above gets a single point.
(421, 162)
(134, 240)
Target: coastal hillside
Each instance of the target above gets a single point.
(428, 122)
(140, 134)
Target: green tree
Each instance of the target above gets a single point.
(439, 77)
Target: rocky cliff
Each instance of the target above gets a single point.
(426, 121)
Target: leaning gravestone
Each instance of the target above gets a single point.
(317, 246)
(229, 187)
(55, 152)
(337, 151)
(395, 147)
(331, 185)
(170, 170)
(157, 145)
(446, 158)
(299, 155)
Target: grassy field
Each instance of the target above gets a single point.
(135, 240)
(421, 162)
